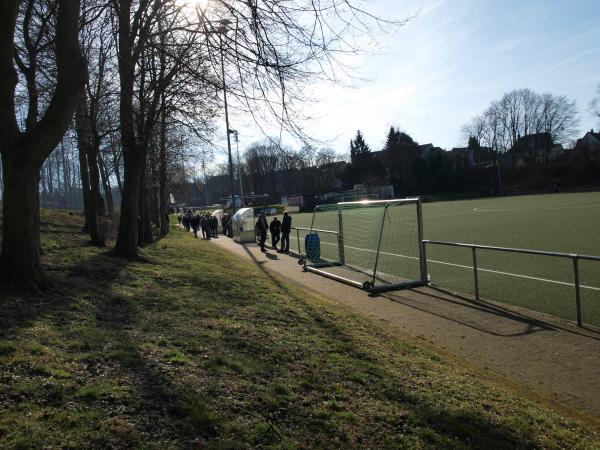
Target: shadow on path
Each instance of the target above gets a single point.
(453, 299)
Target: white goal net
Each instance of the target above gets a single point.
(376, 245)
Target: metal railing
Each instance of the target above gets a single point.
(474, 247)
(298, 240)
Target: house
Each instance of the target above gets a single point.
(248, 200)
(588, 147)
(555, 152)
(383, 156)
(531, 148)
(425, 149)
(302, 201)
(474, 157)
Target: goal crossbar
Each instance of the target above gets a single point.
(382, 202)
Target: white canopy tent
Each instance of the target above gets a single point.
(243, 225)
(219, 215)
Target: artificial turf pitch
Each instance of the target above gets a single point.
(562, 222)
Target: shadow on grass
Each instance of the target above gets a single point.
(96, 323)
(451, 426)
(159, 400)
(22, 307)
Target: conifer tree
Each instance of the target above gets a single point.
(358, 148)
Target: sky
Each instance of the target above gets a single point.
(448, 63)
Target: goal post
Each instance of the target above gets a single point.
(375, 245)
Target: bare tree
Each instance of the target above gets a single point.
(141, 92)
(270, 49)
(24, 150)
(95, 99)
(559, 117)
(520, 113)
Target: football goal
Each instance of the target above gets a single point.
(375, 245)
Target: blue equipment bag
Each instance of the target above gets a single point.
(312, 247)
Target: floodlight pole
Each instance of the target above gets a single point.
(205, 181)
(237, 146)
(223, 30)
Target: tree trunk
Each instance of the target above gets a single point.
(110, 205)
(21, 221)
(50, 180)
(145, 227)
(92, 189)
(24, 153)
(154, 206)
(66, 176)
(44, 195)
(148, 238)
(117, 169)
(97, 202)
(127, 240)
(162, 172)
(85, 183)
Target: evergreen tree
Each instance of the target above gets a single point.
(359, 157)
(473, 143)
(406, 142)
(359, 147)
(392, 142)
(403, 154)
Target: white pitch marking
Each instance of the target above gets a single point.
(593, 288)
(565, 205)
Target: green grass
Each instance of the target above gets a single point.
(177, 350)
(566, 222)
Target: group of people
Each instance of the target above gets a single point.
(205, 222)
(280, 232)
(208, 224)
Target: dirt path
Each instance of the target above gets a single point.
(553, 357)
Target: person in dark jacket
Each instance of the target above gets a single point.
(205, 227)
(224, 222)
(214, 225)
(286, 228)
(261, 227)
(275, 229)
(195, 222)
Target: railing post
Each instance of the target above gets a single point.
(298, 239)
(340, 236)
(427, 279)
(577, 292)
(422, 253)
(475, 275)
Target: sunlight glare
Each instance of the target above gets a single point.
(193, 4)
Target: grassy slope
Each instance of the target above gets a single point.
(193, 347)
